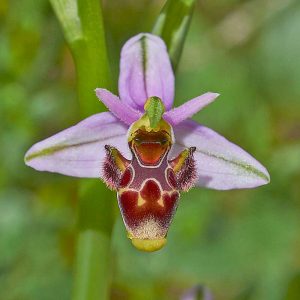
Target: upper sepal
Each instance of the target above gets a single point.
(145, 71)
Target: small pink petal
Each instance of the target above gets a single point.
(145, 71)
(188, 109)
(221, 165)
(79, 150)
(121, 110)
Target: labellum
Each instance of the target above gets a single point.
(149, 185)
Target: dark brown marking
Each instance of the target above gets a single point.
(150, 191)
(126, 178)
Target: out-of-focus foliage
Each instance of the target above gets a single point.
(172, 25)
(241, 244)
(293, 290)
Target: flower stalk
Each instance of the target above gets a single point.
(83, 28)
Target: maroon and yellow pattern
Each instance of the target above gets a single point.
(148, 185)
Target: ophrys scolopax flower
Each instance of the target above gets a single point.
(144, 149)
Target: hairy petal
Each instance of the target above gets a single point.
(189, 108)
(79, 150)
(221, 165)
(145, 71)
(121, 110)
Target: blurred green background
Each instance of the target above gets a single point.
(241, 244)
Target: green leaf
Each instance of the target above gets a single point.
(154, 108)
(67, 13)
(172, 25)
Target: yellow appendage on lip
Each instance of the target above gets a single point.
(148, 238)
(148, 245)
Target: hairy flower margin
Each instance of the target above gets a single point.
(108, 144)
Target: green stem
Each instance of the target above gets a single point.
(90, 56)
(96, 220)
(83, 28)
(96, 216)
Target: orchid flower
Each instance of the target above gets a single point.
(144, 149)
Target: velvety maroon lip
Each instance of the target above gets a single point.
(157, 205)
